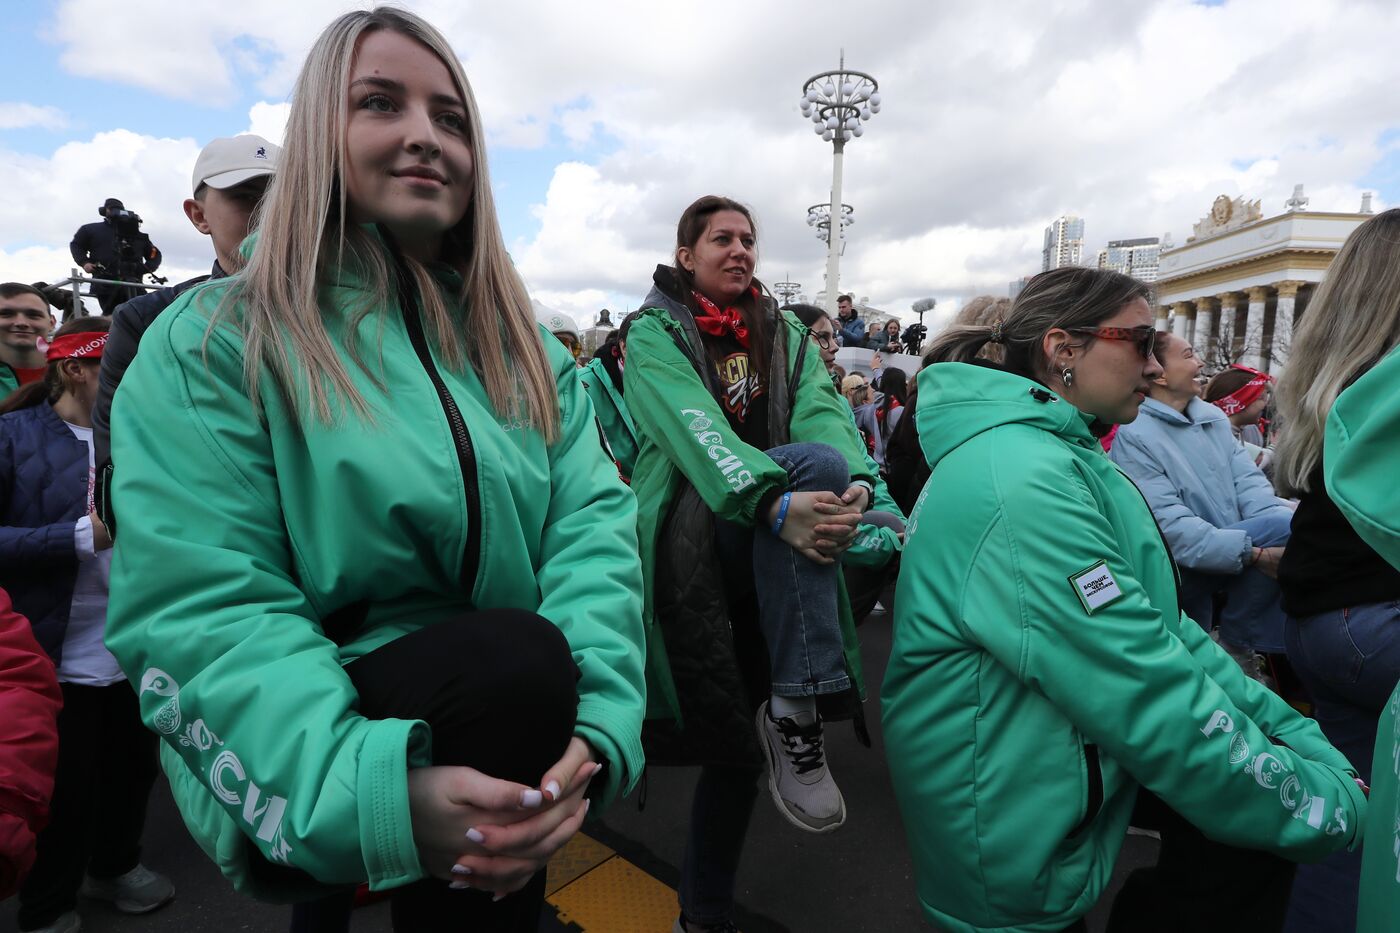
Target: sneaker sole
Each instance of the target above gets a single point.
(131, 908)
(773, 784)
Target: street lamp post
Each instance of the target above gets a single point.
(838, 103)
(787, 289)
(819, 218)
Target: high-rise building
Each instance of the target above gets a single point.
(1064, 243)
(1137, 258)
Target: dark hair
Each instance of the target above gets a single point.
(626, 325)
(1225, 382)
(1068, 298)
(51, 388)
(15, 289)
(845, 298)
(695, 220)
(895, 386)
(809, 315)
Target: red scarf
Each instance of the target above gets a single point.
(729, 322)
(1240, 399)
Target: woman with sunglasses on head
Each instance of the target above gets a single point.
(750, 483)
(1217, 510)
(378, 586)
(1044, 688)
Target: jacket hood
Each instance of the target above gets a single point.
(958, 401)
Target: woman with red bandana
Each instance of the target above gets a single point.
(55, 556)
(1243, 394)
(750, 482)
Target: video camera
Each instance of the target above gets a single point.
(913, 338)
(128, 223)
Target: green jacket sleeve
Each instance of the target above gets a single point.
(876, 545)
(227, 654)
(1359, 456)
(590, 580)
(1265, 708)
(674, 410)
(819, 413)
(1130, 685)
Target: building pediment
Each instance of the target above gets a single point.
(1226, 215)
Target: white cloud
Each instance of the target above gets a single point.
(269, 120)
(997, 118)
(18, 116)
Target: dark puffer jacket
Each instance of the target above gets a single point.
(43, 494)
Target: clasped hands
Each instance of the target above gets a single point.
(821, 525)
(492, 835)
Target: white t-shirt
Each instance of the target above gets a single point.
(86, 659)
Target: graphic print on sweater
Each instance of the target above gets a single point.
(740, 383)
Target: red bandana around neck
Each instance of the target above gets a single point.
(720, 323)
(1240, 399)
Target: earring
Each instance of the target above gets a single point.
(1067, 377)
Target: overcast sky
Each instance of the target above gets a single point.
(604, 119)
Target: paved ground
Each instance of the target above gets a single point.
(856, 881)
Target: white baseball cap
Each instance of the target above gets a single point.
(233, 160)
(553, 321)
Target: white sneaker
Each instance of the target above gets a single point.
(139, 891)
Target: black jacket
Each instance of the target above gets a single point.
(97, 243)
(129, 321)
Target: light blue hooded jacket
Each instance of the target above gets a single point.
(1198, 481)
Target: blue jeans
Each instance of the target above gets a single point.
(719, 821)
(1349, 660)
(797, 599)
(1253, 613)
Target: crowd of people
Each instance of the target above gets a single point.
(397, 584)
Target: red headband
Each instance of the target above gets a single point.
(1240, 399)
(79, 346)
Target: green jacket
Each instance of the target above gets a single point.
(1359, 462)
(1359, 466)
(685, 437)
(1378, 910)
(1041, 670)
(9, 380)
(613, 417)
(242, 536)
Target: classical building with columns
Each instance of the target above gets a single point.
(1238, 284)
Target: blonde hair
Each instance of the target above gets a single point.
(1352, 322)
(853, 386)
(303, 238)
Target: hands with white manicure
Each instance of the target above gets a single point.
(492, 835)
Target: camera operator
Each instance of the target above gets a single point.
(230, 177)
(114, 248)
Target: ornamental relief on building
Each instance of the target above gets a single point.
(1226, 215)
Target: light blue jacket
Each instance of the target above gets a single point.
(1198, 481)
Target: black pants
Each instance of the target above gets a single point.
(109, 296)
(106, 767)
(499, 688)
(1199, 885)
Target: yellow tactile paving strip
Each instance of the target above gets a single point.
(594, 888)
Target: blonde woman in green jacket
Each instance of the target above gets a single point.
(1044, 689)
(378, 584)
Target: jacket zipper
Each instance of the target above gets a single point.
(466, 457)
